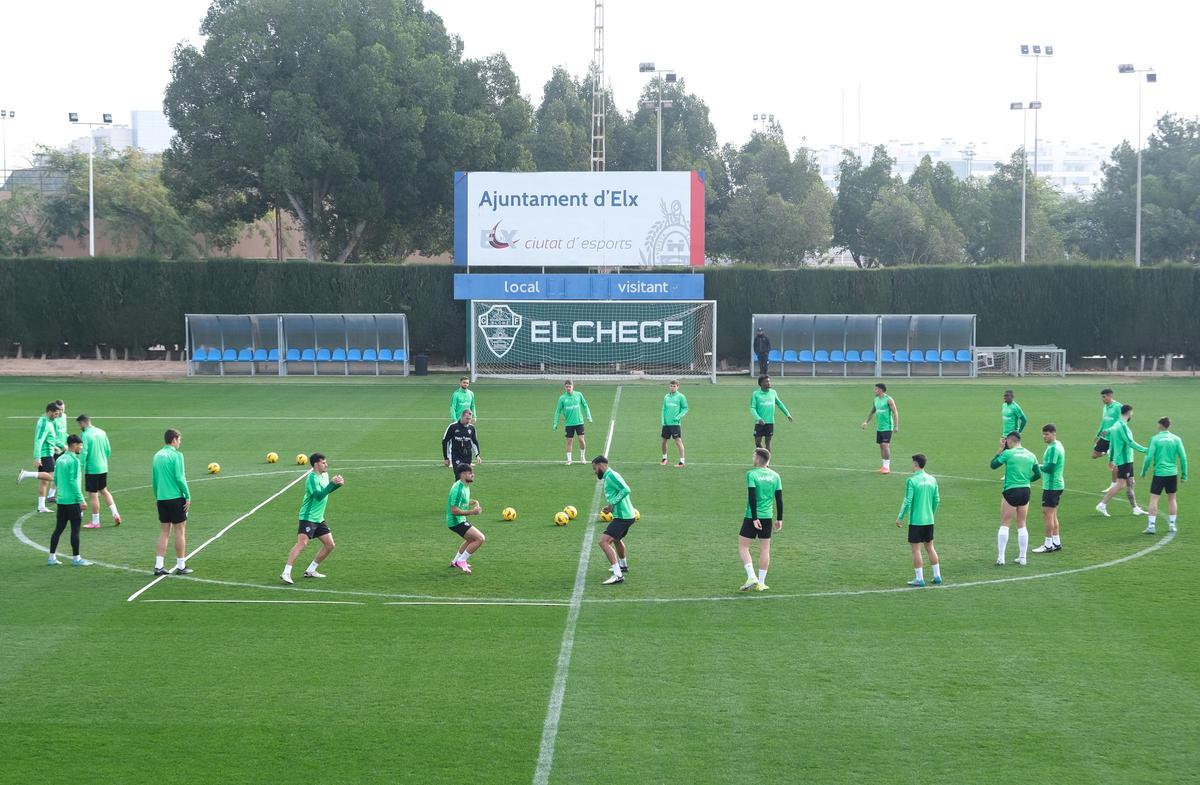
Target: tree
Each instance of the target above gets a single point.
(24, 223)
(350, 114)
(562, 125)
(1001, 240)
(858, 188)
(761, 226)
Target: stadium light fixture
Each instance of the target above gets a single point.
(663, 74)
(646, 68)
(105, 119)
(1037, 52)
(1151, 78)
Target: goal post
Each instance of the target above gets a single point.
(594, 339)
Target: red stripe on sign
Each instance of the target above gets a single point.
(697, 242)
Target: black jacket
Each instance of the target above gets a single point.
(762, 344)
(460, 443)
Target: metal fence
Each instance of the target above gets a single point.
(291, 344)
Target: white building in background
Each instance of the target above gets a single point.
(118, 137)
(151, 131)
(1075, 169)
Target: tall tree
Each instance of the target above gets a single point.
(858, 188)
(761, 226)
(562, 125)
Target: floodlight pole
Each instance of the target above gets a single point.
(1037, 54)
(1151, 76)
(5, 114)
(1025, 171)
(659, 104)
(107, 120)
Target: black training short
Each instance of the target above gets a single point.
(1050, 498)
(1161, 485)
(460, 529)
(313, 530)
(672, 432)
(47, 464)
(766, 429)
(1017, 497)
(69, 513)
(574, 430)
(920, 533)
(618, 528)
(1101, 446)
(94, 483)
(1125, 471)
(172, 510)
(883, 437)
(749, 532)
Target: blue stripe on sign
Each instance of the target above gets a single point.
(460, 218)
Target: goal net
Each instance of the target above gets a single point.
(996, 361)
(1043, 361)
(593, 339)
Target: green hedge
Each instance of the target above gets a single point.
(124, 303)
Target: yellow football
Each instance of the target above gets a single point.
(606, 516)
(637, 516)
(560, 519)
(272, 457)
(301, 460)
(571, 512)
(214, 468)
(508, 514)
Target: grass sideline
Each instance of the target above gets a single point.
(1087, 677)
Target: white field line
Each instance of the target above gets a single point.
(219, 534)
(541, 774)
(260, 602)
(529, 603)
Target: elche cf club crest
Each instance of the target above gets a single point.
(499, 325)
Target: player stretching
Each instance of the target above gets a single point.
(462, 399)
(762, 405)
(1054, 460)
(460, 442)
(1109, 414)
(1011, 416)
(764, 500)
(1020, 470)
(68, 477)
(317, 488)
(573, 408)
(1170, 465)
(887, 422)
(612, 541)
(673, 410)
(458, 506)
(1120, 454)
(96, 452)
(44, 440)
(921, 501)
(174, 501)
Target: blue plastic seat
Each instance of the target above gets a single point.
(245, 355)
(790, 356)
(399, 355)
(370, 355)
(837, 356)
(916, 356)
(273, 356)
(293, 355)
(199, 355)
(806, 355)
(868, 355)
(901, 355)
(323, 355)
(852, 356)
(354, 355)
(888, 356)
(385, 355)
(260, 355)
(963, 355)
(822, 356)
(339, 355)
(774, 356)
(308, 355)
(947, 355)
(931, 355)
(229, 355)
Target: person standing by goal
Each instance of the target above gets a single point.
(673, 409)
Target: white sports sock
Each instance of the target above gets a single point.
(287, 569)
(1001, 542)
(1056, 539)
(749, 571)
(158, 562)
(937, 570)
(41, 502)
(568, 457)
(582, 456)
(1049, 541)
(465, 557)
(664, 456)
(1023, 541)
(887, 463)
(179, 563)
(1151, 519)
(113, 509)
(26, 474)
(762, 576)
(615, 569)
(920, 571)
(95, 517)
(312, 566)
(622, 562)
(1171, 519)
(458, 556)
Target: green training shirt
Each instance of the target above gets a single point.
(674, 407)
(765, 481)
(1167, 454)
(1012, 418)
(1121, 443)
(460, 401)
(166, 475)
(96, 450)
(883, 413)
(44, 438)
(921, 499)
(573, 408)
(60, 431)
(68, 478)
(460, 497)
(763, 403)
(316, 495)
(616, 493)
(1109, 414)
(1054, 461)
(1020, 467)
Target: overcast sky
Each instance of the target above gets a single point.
(927, 68)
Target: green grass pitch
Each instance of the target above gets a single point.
(383, 672)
